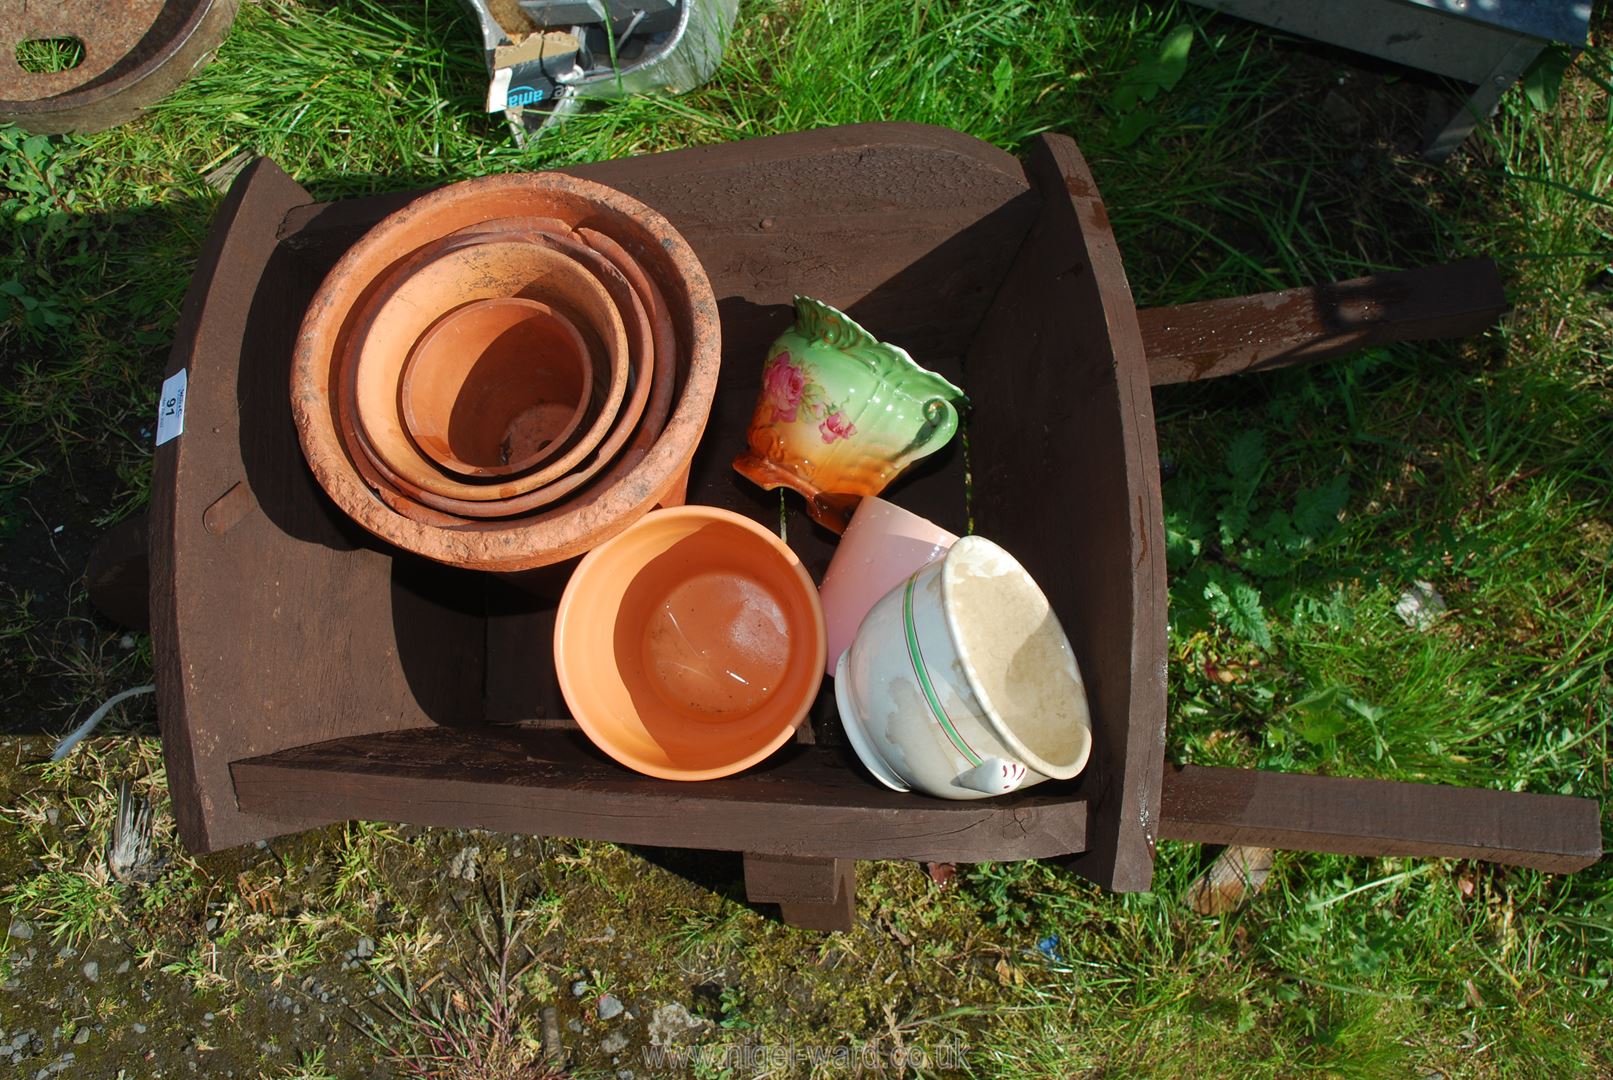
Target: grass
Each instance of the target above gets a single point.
(1301, 506)
(473, 1026)
(45, 55)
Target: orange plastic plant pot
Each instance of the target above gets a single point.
(691, 645)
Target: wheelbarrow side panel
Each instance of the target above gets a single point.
(1066, 476)
(273, 625)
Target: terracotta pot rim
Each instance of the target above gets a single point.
(518, 544)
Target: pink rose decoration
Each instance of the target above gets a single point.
(836, 426)
(782, 384)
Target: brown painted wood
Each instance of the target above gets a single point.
(280, 628)
(1379, 817)
(118, 577)
(772, 879)
(812, 894)
(808, 801)
(838, 914)
(1255, 333)
(1066, 477)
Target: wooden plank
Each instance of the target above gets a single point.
(772, 879)
(804, 801)
(839, 914)
(1066, 477)
(1298, 326)
(813, 894)
(278, 625)
(1379, 817)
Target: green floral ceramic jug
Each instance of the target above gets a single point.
(842, 413)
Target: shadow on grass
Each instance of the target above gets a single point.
(89, 303)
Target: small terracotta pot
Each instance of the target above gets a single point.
(496, 387)
(649, 430)
(653, 463)
(548, 485)
(690, 646)
(424, 503)
(664, 335)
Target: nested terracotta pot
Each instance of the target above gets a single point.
(582, 282)
(552, 483)
(657, 290)
(496, 387)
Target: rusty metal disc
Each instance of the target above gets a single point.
(132, 52)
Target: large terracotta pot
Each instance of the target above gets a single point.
(659, 295)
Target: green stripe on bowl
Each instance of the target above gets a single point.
(923, 674)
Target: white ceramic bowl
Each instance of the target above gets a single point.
(961, 683)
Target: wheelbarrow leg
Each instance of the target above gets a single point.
(812, 893)
(1296, 326)
(118, 577)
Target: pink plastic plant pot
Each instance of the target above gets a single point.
(880, 549)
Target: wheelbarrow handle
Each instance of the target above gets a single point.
(1212, 338)
(1301, 812)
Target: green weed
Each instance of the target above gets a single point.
(469, 1024)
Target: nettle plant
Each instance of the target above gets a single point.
(1233, 547)
(39, 206)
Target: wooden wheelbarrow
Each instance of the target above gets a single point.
(305, 675)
